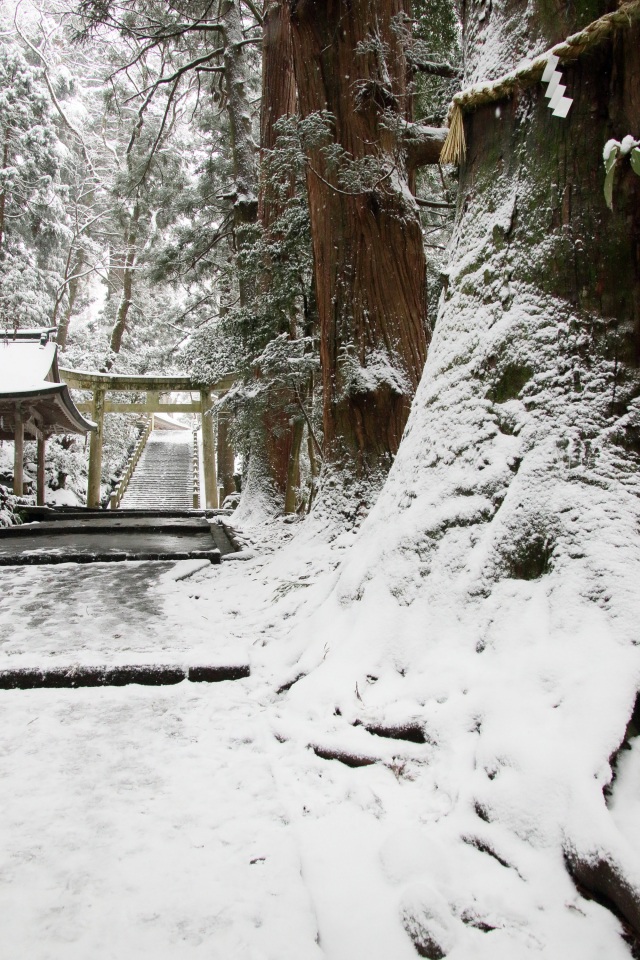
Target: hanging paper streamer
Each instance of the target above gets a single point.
(558, 103)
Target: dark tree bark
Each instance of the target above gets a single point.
(238, 110)
(73, 269)
(278, 88)
(74, 289)
(369, 261)
(278, 100)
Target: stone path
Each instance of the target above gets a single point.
(101, 613)
(189, 821)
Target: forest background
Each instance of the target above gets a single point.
(155, 209)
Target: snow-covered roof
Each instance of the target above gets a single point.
(26, 366)
(29, 378)
(162, 421)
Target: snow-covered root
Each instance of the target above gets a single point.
(602, 863)
(606, 878)
(490, 601)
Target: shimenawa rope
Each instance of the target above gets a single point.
(527, 73)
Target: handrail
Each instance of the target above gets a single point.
(196, 469)
(121, 489)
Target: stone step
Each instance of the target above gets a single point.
(163, 478)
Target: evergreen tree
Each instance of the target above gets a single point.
(32, 218)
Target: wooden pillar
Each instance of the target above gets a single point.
(18, 456)
(95, 450)
(42, 445)
(208, 452)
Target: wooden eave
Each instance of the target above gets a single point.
(46, 410)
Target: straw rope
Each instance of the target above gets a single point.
(528, 73)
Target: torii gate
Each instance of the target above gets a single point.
(100, 384)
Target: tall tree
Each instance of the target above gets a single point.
(31, 196)
(282, 431)
(370, 277)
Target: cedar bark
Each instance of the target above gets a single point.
(278, 87)
(518, 475)
(370, 272)
(238, 110)
(293, 470)
(272, 445)
(278, 100)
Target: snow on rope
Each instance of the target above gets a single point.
(529, 72)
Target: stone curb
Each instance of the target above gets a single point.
(33, 678)
(39, 559)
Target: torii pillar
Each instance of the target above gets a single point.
(95, 449)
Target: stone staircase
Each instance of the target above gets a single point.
(163, 478)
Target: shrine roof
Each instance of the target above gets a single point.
(30, 380)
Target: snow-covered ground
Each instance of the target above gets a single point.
(142, 822)
(175, 822)
(221, 821)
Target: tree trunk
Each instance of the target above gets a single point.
(131, 246)
(370, 270)
(74, 287)
(552, 280)
(73, 268)
(293, 471)
(278, 100)
(224, 453)
(503, 549)
(278, 88)
(239, 113)
(273, 438)
(3, 195)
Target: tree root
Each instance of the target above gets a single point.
(603, 880)
(349, 759)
